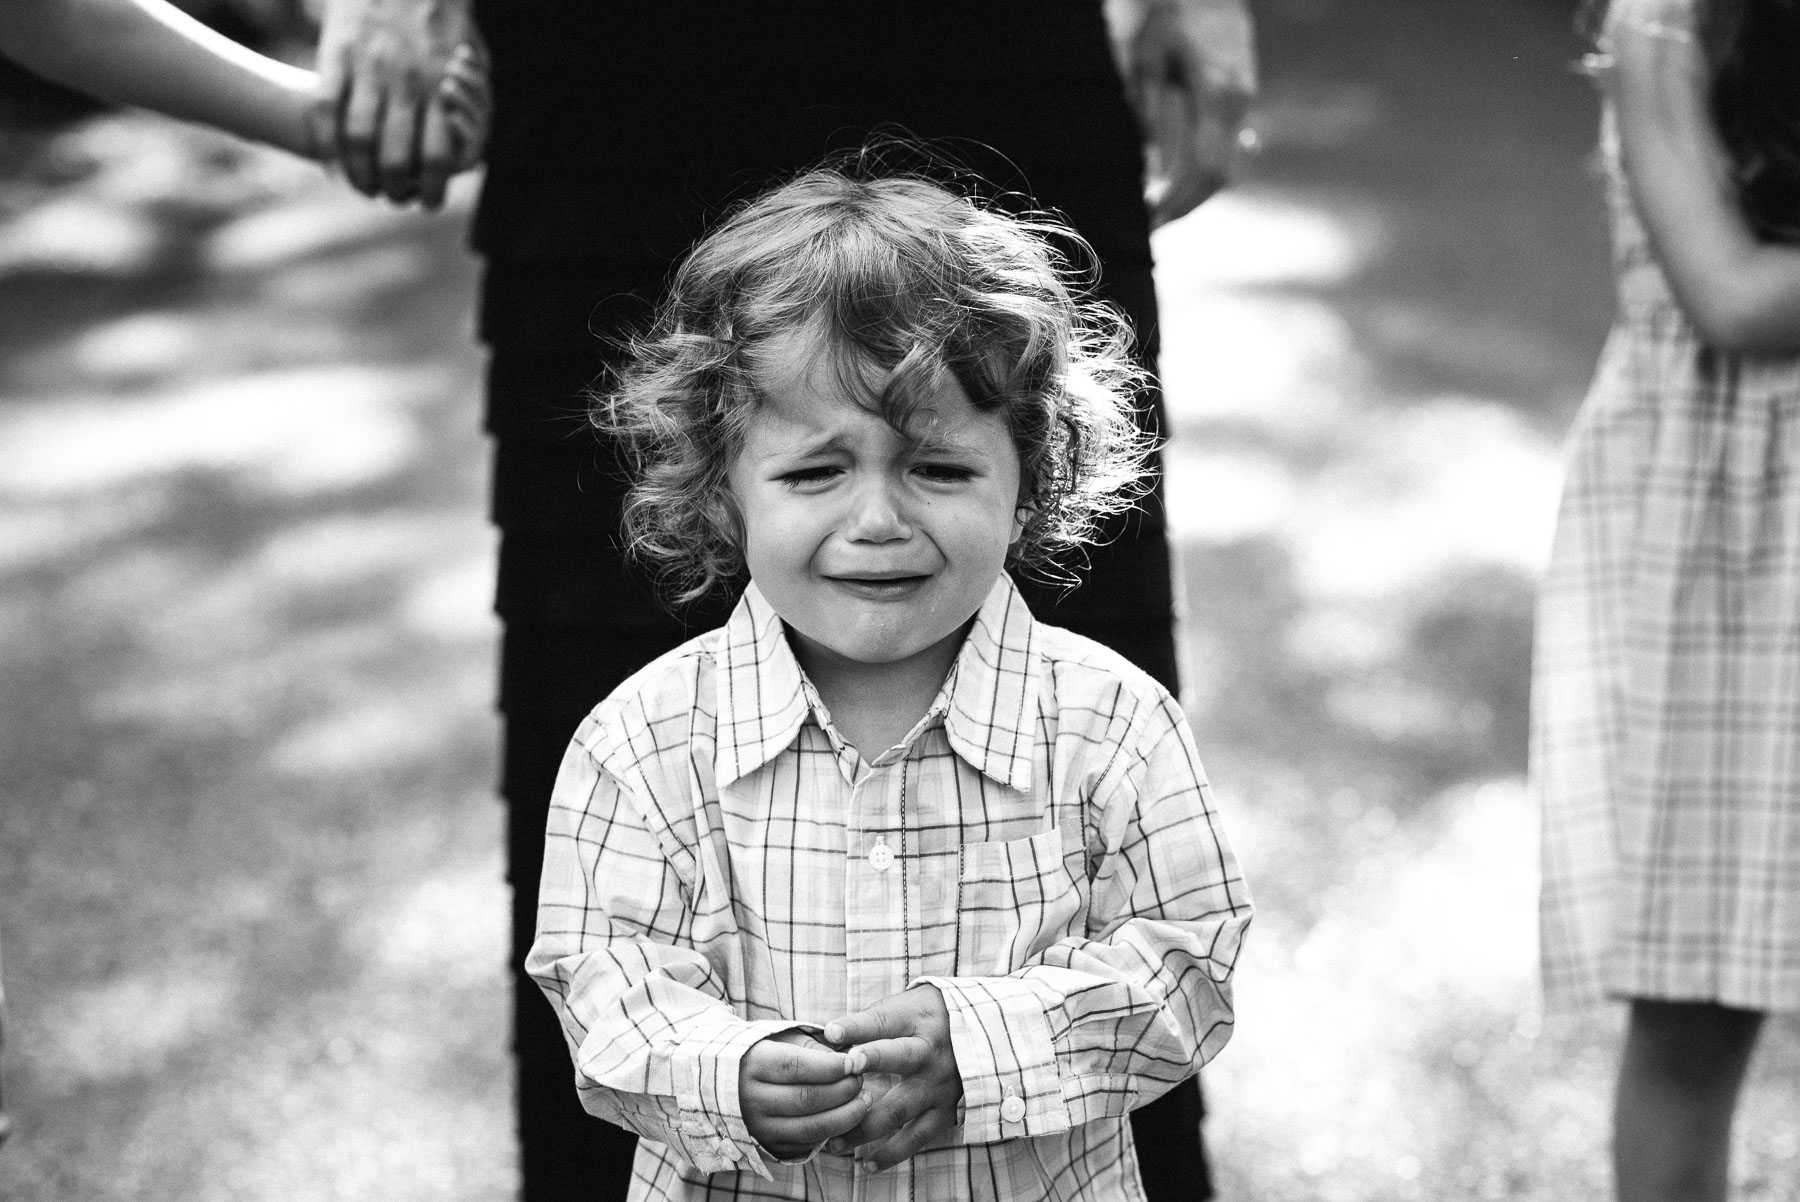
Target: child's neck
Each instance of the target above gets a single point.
(873, 706)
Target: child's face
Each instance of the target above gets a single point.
(873, 548)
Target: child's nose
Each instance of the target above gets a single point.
(878, 515)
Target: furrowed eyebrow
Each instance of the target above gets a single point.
(805, 449)
(929, 445)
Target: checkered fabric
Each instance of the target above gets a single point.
(1666, 691)
(1051, 861)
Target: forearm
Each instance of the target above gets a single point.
(1753, 304)
(150, 54)
(1089, 1031)
(1742, 294)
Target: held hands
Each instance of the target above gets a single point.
(906, 1034)
(404, 101)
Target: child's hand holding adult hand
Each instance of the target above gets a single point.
(796, 1093)
(907, 1034)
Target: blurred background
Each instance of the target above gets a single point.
(251, 899)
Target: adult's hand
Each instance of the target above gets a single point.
(1190, 70)
(403, 95)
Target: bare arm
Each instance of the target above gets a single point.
(150, 53)
(1740, 293)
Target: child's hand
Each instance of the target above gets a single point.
(795, 1092)
(907, 1033)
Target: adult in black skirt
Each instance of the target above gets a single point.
(619, 132)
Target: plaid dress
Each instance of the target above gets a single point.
(1665, 744)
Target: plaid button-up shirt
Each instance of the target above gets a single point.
(1042, 847)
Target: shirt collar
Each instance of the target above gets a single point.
(988, 712)
(761, 706)
(994, 688)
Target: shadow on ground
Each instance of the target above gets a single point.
(1373, 348)
(253, 908)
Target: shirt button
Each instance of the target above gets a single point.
(1013, 1108)
(881, 857)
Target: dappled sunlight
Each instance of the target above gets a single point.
(1375, 504)
(1359, 1034)
(343, 549)
(63, 528)
(80, 234)
(251, 870)
(455, 603)
(1281, 365)
(132, 1024)
(452, 924)
(1221, 495)
(391, 729)
(140, 345)
(322, 221)
(1252, 237)
(254, 908)
(289, 432)
(326, 285)
(1420, 489)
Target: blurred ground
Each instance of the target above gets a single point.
(250, 866)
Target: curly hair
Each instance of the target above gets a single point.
(907, 283)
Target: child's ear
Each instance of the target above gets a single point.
(1021, 518)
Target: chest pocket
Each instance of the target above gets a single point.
(1014, 898)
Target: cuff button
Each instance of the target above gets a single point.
(1012, 1109)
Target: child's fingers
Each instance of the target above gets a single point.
(779, 1063)
(791, 1100)
(882, 1021)
(905, 1055)
(927, 1129)
(888, 1113)
(803, 1131)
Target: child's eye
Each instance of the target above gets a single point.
(802, 476)
(944, 473)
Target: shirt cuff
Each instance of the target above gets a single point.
(710, 1119)
(1001, 1037)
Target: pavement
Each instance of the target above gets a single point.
(250, 859)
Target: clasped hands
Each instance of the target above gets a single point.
(404, 100)
(883, 1083)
